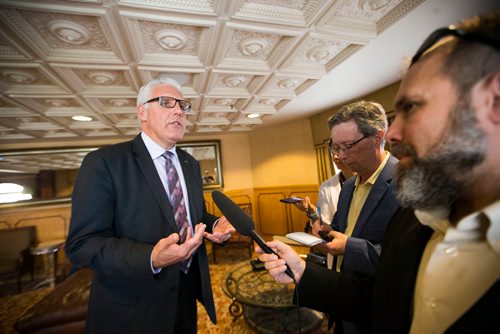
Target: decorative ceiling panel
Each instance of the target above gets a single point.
(167, 44)
(63, 33)
(290, 12)
(205, 7)
(234, 58)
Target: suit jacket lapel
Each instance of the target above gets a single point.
(381, 186)
(150, 173)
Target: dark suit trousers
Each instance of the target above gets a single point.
(189, 286)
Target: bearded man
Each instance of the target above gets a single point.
(440, 264)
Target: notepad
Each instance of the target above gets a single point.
(304, 238)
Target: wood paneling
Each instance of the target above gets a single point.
(277, 218)
(271, 217)
(242, 196)
(272, 213)
(51, 221)
(53, 227)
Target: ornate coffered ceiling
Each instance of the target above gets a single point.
(60, 59)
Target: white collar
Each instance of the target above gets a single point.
(154, 149)
(492, 211)
(437, 219)
(474, 226)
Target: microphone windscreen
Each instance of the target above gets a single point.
(236, 216)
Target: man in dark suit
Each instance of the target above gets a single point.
(367, 201)
(362, 248)
(148, 255)
(439, 267)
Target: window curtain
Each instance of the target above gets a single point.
(325, 164)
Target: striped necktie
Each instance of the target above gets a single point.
(178, 203)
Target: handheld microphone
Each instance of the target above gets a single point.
(242, 222)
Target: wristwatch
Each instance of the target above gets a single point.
(313, 215)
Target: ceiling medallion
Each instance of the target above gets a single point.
(19, 76)
(372, 4)
(69, 32)
(234, 81)
(119, 102)
(267, 102)
(253, 46)
(288, 83)
(319, 54)
(102, 78)
(57, 103)
(171, 39)
(224, 102)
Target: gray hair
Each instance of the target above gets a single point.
(369, 117)
(145, 90)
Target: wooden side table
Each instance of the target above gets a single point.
(49, 249)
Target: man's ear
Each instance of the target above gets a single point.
(379, 136)
(142, 113)
(494, 86)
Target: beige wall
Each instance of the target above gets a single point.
(278, 155)
(236, 161)
(283, 155)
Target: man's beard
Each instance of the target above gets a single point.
(438, 179)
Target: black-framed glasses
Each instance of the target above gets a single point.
(170, 102)
(458, 33)
(346, 146)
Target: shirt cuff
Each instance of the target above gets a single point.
(215, 223)
(155, 271)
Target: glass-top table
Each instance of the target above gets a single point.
(266, 305)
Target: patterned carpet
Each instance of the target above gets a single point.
(12, 307)
(225, 323)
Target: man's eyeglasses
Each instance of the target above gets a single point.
(345, 147)
(170, 102)
(458, 33)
